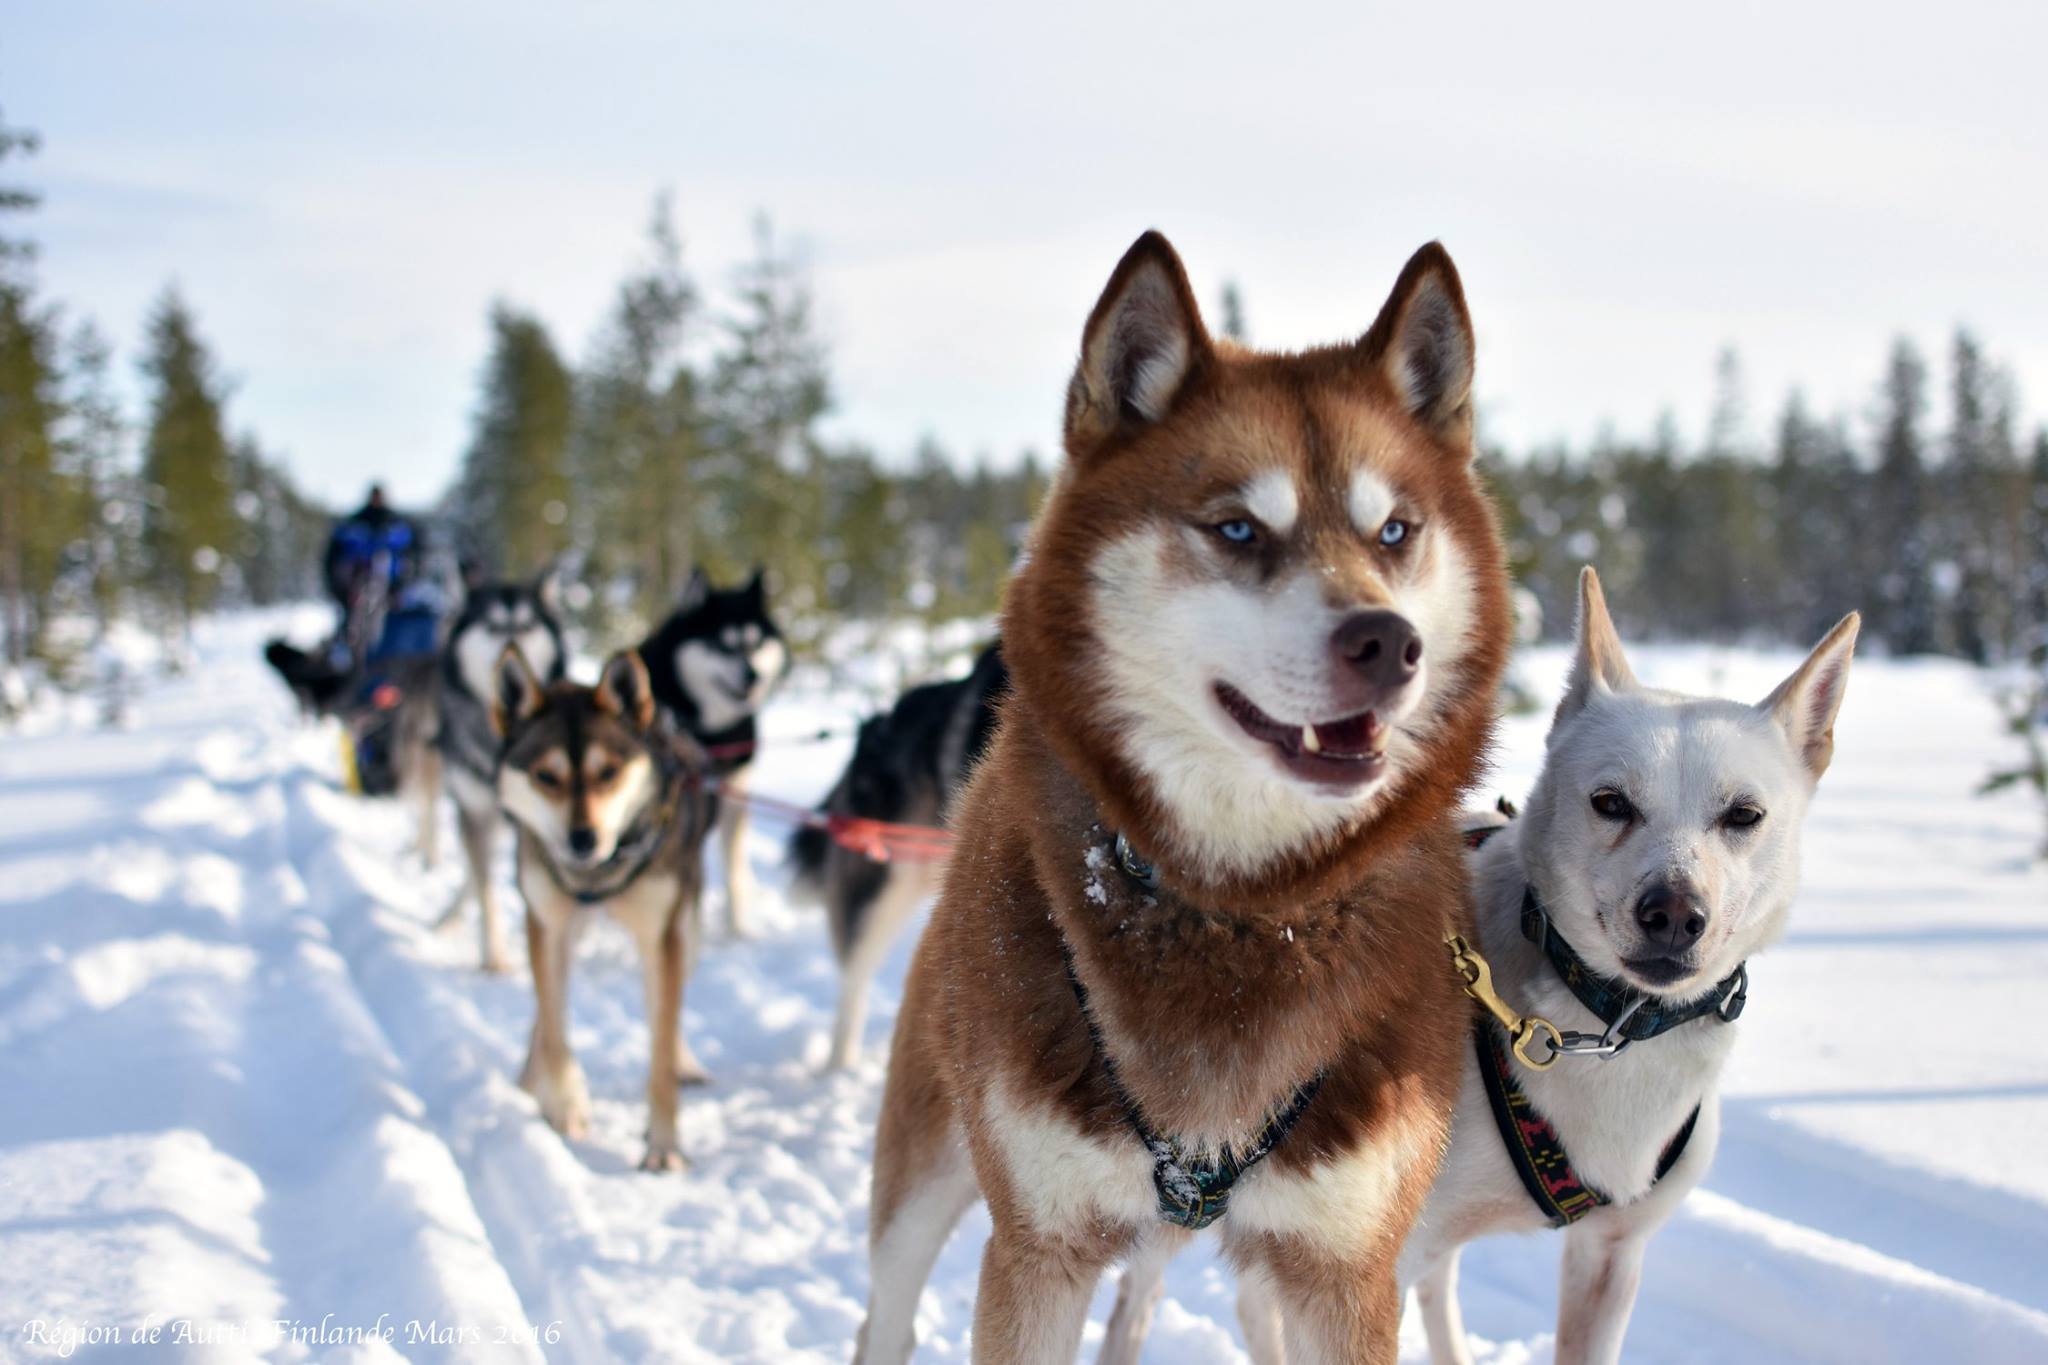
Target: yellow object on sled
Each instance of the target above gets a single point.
(351, 779)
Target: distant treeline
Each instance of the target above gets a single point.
(1940, 538)
(688, 434)
(688, 438)
(101, 515)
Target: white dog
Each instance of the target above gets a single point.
(1660, 850)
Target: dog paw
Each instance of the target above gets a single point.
(690, 1071)
(564, 1102)
(497, 962)
(662, 1157)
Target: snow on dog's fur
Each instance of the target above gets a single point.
(1259, 634)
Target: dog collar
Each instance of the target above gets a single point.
(1631, 1015)
(1533, 1145)
(1193, 1190)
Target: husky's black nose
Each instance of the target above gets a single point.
(1381, 645)
(582, 841)
(1672, 916)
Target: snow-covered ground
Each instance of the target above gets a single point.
(247, 1097)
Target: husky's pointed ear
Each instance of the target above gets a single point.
(1141, 343)
(756, 589)
(547, 586)
(1422, 344)
(623, 689)
(1804, 706)
(1598, 667)
(694, 591)
(518, 693)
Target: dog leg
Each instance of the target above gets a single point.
(1602, 1266)
(1033, 1301)
(661, 966)
(551, 1075)
(477, 829)
(1331, 1311)
(901, 894)
(690, 931)
(732, 839)
(1258, 1315)
(430, 807)
(1137, 1297)
(923, 1182)
(1436, 1294)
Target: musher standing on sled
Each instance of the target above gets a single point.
(389, 618)
(372, 555)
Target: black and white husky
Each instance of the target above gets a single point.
(494, 616)
(906, 766)
(712, 665)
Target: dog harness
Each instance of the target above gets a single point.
(1534, 1148)
(1533, 1145)
(1193, 1188)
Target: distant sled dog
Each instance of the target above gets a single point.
(1659, 851)
(608, 803)
(462, 743)
(714, 663)
(1186, 967)
(906, 766)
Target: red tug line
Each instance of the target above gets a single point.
(883, 841)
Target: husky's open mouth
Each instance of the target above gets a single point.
(1348, 752)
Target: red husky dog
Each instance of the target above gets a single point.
(1188, 962)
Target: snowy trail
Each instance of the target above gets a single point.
(243, 1081)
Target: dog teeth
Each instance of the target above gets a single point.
(1308, 740)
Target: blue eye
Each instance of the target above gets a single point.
(1238, 532)
(1393, 533)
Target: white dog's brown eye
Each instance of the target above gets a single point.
(1742, 816)
(1609, 804)
(1393, 533)
(547, 779)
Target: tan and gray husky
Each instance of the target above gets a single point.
(1186, 965)
(609, 808)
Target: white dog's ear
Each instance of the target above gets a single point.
(1142, 341)
(1804, 706)
(1598, 668)
(519, 693)
(1422, 343)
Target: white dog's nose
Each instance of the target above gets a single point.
(1672, 916)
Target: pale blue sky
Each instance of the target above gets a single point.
(342, 189)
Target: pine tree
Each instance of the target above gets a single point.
(108, 553)
(637, 436)
(35, 511)
(767, 390)
(1232, 313)
(1976, 506)
(1905, 587)
(2032, 629)
(189, 525)
(1729, 552)
(16, 252)
(513, 500)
